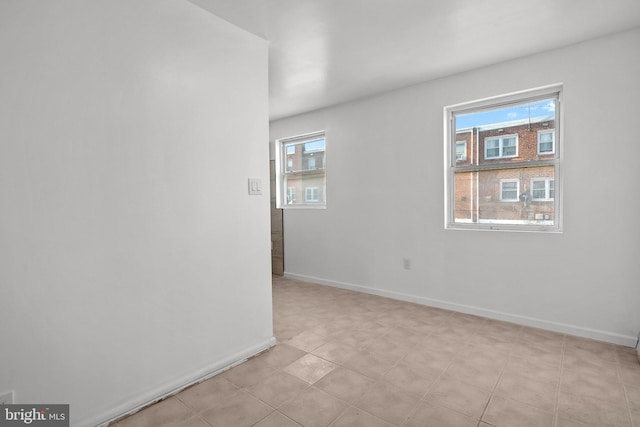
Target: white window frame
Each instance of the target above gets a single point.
(311, 190)
(553, 141)
(547, 189)
(506, 181)
(500, 139)
(282, 172)
(555, 225)
(464, 151)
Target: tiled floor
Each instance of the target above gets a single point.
(351, 359)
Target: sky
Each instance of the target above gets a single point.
(521, 111)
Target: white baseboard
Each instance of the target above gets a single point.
(165, 390)
(611, 337)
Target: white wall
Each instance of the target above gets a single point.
(132, 260)
(385, 200)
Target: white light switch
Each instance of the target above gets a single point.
(255, 186)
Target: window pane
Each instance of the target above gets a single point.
(303, 156)
(310, 187)
(510, 147)
(501, 197)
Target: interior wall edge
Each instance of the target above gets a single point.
(579, 331)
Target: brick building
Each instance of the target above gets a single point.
(506, 194)
(305, 173)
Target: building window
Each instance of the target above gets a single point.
(546, 139)
(311, 195)
(542, 189)
(301, 169)
(501, 147)
(493, 189)
(461, 151)
(509, 190)
(291, 195)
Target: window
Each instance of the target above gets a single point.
(504, 183)
(498, 147)
(546, 141)
(509, 189)
(311, 195)
(542, 189)
(300, 169)
(461, 151)
(291, 195)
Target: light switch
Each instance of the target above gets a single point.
(255, 186)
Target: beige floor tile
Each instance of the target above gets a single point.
(345, 384)
(208, 393)
(627, 355)
(281, 355)
(539, 393)
(354, 417)
(506, 412)
(306, 341)
(633, 396)
(475, 373)
(437, 416)
(541, 337)
(389, 348)
(630, 374)
(591, 348)
(278, 388)
(170, 412)
(369, 364)
(277, 419)
(335, 351)
(239, 410)
(589, 365)
(358, 339)
(459, 396)
(411, 380)
(249, 373)
(310, 368)
(576, 382)
(388, 402)
(532, 368)
(551, 355)
(195, 421)
(568, 422)
(314, 407)
(593, 411)
(421, 359)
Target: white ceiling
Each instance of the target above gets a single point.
(324, 52)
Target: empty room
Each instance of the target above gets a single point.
(319, 213)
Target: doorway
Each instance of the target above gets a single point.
(277, 239)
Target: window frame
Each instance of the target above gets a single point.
(500, 139)
(313, 190)
(510, 180)
(464, 151)
(283, 171)
(555, 159)
(553, 141)
(547, 189)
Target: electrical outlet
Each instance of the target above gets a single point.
(6, 398)
(406, 263)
